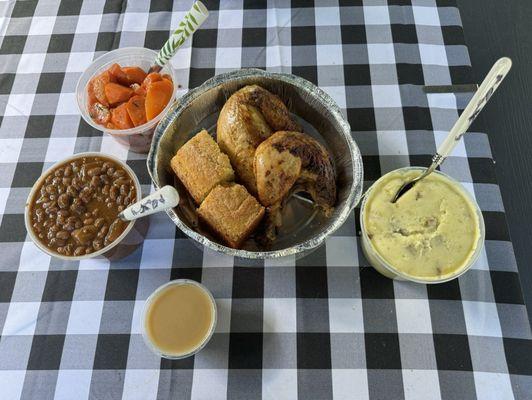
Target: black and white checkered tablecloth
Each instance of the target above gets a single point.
(320, 327)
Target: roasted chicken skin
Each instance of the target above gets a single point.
(289, 162)
(249, 117)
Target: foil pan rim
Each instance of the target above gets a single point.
(355, 192)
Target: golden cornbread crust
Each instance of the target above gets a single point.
(200, 165)
(231, 212)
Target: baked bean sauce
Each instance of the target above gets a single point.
(75, 210)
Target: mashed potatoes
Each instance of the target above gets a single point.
(430, 233)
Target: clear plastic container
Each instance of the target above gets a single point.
(139, 138)
(386, 268)
(154, 295)
(125, 244)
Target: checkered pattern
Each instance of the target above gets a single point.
(314, 328)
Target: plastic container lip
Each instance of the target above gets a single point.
(387, 266)
(37, 184)
(148, 302)
(142, 55)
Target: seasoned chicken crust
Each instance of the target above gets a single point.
(289, 162)
(249, 117)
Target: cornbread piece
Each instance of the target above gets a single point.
(231, 212)
(200, 165)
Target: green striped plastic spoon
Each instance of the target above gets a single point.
(193, 19)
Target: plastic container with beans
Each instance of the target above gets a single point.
(75, 209)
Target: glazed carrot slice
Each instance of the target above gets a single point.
(116, 93)
(134, 75)
(96, 89)
(91, 94)
(157, 97)
(140, 90)
(119, 74)
(99, 113)
(120, 117)
(150, 78)
(136, 110)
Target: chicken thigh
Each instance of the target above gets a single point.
(289, 162)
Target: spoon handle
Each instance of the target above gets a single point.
(192, 20)
(488, 86)
(160, 200)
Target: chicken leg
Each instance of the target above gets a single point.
(289, 162)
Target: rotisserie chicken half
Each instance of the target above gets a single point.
(249, 117)
(271, 156)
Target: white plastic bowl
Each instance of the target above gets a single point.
(386, 268)
(139, 138)
(124, 245)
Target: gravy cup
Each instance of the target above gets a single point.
(144, 316)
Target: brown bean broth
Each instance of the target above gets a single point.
(74, 211)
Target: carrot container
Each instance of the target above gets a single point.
(137, 139)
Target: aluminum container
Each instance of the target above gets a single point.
(304, 228)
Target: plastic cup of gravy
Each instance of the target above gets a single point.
(178, 319)
(432, 234)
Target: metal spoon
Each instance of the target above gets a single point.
(490, 83)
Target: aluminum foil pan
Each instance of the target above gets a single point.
(304, 228)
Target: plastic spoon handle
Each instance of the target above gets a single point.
(190, 23)
(160, 200)
(488, 86)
